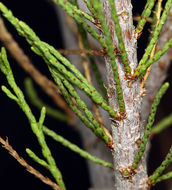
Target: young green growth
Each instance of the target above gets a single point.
(162, 125)
(6, 70)
(156, 175)
(145, 14)
(75, 148)
(38, 103)
(111, 54)
(51, 56)
(163, 177)
(121, 45)
(95, 127)
(90, 7)
(42, 117)
(154, 39)
(156, 57)
(73, 10)
(81, 21)
(147, 132)
(32, 155)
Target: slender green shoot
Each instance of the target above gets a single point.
(32, 155)
(90, 6)
(51, 56)
(156, 175)
(145, 14)
(110, 51)
(38, 103)
(156, 57)
(121, 45)
(95, 127)
(72, 9)
(81, 21)
(151, 118)
(75, 148)
(6, 70)
(93, 65)
(162, 125)
(42, 117)
(154, 39)
(163, 177)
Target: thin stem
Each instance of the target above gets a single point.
(162, 125)
(38, 103)
(6, 70)
(151, 118)
(154, 177)
(111, 54)
(75, 148)
(153, 41)
(145, 14)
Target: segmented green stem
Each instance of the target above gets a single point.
(81, 21)
(154, 20)
(32, 155)
(48, 52)
(156, 57)
(154, 177)
(90, 6)
(93, 65)
(163, 177)
(5, 68)
(145, 14)
(72, 9)
(121, 45)
(162, 125)
(151, 118)
(42, 117)
(75, 148)
(154, 39)
(111, 53)
(97, 129)
(37, 102)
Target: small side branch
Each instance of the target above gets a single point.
(29, 168)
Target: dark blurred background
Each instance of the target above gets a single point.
(42, 18)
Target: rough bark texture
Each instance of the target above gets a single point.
(128, 131)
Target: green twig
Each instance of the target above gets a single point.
(81, 21)
(156, 57)
(156, 175)
(90, 6)
(72, 9)
(111, 54)
(37, 102)
(75, 148)
(163, 177)
(93, 65)
(151, 118)
(97, 129)
(36, 158)
(121, 45)
(154, 39)
(145, 14)
(51, 56)
(6, 70)
(162, 125)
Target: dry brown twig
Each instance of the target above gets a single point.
(46, 180)
(17, 53)
(80, 51)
